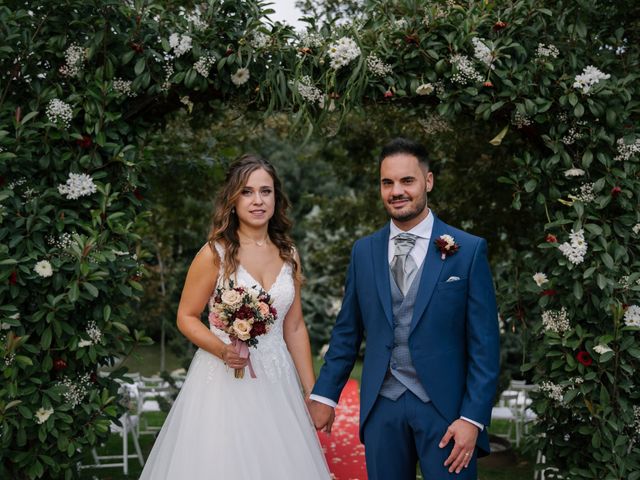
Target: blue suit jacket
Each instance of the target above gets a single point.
(454, 339)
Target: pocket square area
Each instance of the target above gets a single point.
(453, 279)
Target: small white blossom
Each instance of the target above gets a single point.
(195, 19)
(378, 67)
(571, 137)
(204, 64)
(520, 120)
(465, 71)
(308, 91)
(343, 52)
(555, 320)
(74, 392)
(43, 268)
(434, 124)
(59, 112)
(123, 87)
(74, 60)
(625, 152)
(601, 349)
(574, 172)
(553, 391)
(84, 343)
(636, 228)
(400, 23)
(168, 72)
(547, 51)
(95, 334)
(311, 39)
(588, 78)
(576, 249)
(482, 52)
(240, 77)
(180, 44)
(78, 185)
(259, 40)
(425, 89)
(636, 423)
(43, 414)
(632, 316)
(540, 278)
(63, 241)
(586, 194)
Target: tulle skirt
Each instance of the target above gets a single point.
(225, 428)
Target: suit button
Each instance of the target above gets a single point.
(393, 365)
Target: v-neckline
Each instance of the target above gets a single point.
(258, 283)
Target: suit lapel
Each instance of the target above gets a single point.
(380, 254)
(433, 264)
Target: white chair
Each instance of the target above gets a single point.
(513, 406)
(130, 397)
(150, 389)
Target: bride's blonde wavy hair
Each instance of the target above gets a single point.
(225, 221)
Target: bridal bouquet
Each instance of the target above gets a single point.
(244, 314)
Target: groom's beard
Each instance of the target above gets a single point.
(414, 209)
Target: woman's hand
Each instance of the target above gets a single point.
(231, 358)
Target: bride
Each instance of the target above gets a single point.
(220, 426)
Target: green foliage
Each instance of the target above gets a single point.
(99, 127)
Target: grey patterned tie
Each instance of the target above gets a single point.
(402, 265)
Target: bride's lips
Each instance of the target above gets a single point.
(257, 213)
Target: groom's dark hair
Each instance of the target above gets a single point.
(404, 145)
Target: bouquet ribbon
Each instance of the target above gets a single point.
(242, 350)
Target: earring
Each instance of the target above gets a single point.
(233, 210)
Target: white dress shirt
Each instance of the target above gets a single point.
(418, 253)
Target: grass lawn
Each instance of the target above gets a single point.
(147, 360)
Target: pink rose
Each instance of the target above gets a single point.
(214, 320)
(264, 309)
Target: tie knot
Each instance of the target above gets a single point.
(404, 243)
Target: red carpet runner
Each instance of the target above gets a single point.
(344, 452)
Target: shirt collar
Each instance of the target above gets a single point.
(422, 230)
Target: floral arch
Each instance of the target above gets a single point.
(82, 82)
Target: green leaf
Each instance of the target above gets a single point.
(121, 326)
(607, 260)
(45, 340)
(140, 66)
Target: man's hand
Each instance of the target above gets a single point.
(322, 415)
(464, 435)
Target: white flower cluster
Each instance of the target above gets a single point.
(310, 39)
(308, 91)
(425, 89)
(123, 87)
(43, 414)
(636, 228)
(43, 268)
(540, 278)
(259, 40)
(204, 64)
(576, 249)
(553, 390)
(343, 52)
(555, 320)
(168, 72)
(16, 183)
(601, 349)
(586, 194)
(588, 78)
(636, 423)
(181, 44)
(63, 241)
(571, 137)
(74, 59)
(240, 77)
(9, 358)
(400, 23)
(434, 124)
(195, 19)
(95, 334)
(574, 172)
(378, 67)
(78, 185)
(74, 392)
(632, 316)
(482, 52)
(465, 71)
(59, 112)
(520, 120)
(625, 152)
(547, 51)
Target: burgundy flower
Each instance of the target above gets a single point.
(93, 377)
(615, 191)
(273, 311)
(499, 25)
(550, 292)
(13, 278)
(137, 47)
(244, 312)
(551, 238)
(85, 142)
(138, 195)
(259, 328)
(447, 246)
(584, 358)
(228, 52)
(59, 364)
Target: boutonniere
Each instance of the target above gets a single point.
(447, 246)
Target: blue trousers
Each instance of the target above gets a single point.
(400, 433)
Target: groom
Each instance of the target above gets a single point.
(421, 293)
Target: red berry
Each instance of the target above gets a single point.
(85, 142)
(59, 364)
(488, 84)
(615, 191)
(388, 94)
(551, 238)
(13, 278)
(499, 25)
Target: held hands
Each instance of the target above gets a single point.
(464, 435)
(322, 415)
(231, 358)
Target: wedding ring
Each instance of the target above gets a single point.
(466, 454)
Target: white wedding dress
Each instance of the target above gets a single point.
(221, 427)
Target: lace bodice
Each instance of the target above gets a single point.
(270, 356)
